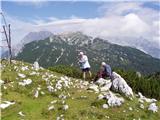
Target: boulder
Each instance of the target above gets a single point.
(120, 85)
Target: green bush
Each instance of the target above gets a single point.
(67, 70)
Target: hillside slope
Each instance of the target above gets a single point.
(64, 49)
(30, 92)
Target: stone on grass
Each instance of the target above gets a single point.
(105, 106)
(21, 75)
(50, 88)
(54, 101)
(21, 113)
(36, 65)
(65, 107)
(153, 107)
(113, 100)
(100, 96)
(24, 68)
(36, 94)
(143, 98)
(106, 87)
(1, 82)
(141, 106)
(42, 93)
(51, 107)
(130, 108)
(93, 87)
(6, 104)
(25, 82)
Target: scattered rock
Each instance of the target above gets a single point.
(51, 107)
(105, 106)
(50, 88)
(36, 65)
(25, 82)
(65, 107)
(130, 108)
(6, 104)
(1, 82)
(141, 106)
(54, 101)
(100, 96)
(21, 113)
(153, 107)
(93, 87)
(113, 100)
(143, 98)
(24, 68)
(21, 75)
(36, 94)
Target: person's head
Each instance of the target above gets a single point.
(103, 64)
(81, 54)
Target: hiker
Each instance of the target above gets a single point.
(105, 71)
(84, 65)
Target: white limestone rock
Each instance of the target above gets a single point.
(105, 106)
(153, 107)
(36, 94)
(141, 106)
(93, 87)
(101, 81)
(25, 82)
(113, 100)
(50, 88)
(36, 65)
(21, 75)
(1, 82)
(21, 113)
(65, 107)
(143, 98)
(106, 87)
(24, 68)
(6, 104)
(120, 85)
(51, 107)
(100, 96)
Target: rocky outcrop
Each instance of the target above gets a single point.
(121, 86)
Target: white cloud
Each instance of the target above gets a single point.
(119, 20)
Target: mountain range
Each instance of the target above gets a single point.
(64, 48)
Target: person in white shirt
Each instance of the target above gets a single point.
(84, 65)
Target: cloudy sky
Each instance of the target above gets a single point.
(106, 19)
